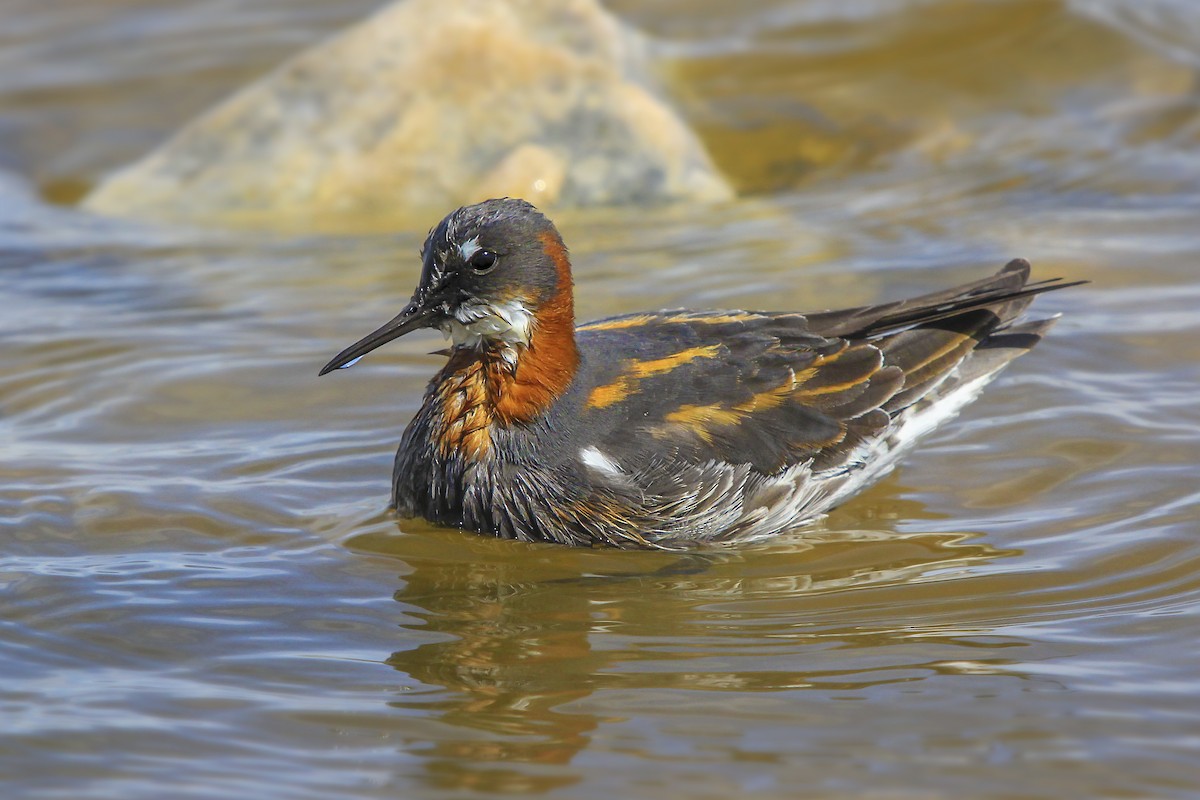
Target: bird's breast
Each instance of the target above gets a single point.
(461, 410)
(480, 390)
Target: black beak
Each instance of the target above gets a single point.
(412, 317)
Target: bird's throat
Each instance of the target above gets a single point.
(500, 383)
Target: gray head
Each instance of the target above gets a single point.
(488, 271)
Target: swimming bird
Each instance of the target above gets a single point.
(667, 429)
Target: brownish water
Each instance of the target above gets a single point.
(201, 595)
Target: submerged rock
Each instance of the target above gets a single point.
(426, 105)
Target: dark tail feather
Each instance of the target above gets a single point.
(1002, 297)
(928, 382)
(1003, 346)
(1006, 294)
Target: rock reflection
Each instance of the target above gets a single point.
(532, 632)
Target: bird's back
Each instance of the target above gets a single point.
(737, 425)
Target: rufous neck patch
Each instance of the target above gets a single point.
(547, 366)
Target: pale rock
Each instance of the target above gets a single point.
(424, 106)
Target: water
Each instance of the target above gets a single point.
(203, 595)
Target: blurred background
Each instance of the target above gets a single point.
(203, 594)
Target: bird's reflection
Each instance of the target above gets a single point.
(527, 633)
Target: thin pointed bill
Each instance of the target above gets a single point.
(409, 319)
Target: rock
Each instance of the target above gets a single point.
(426, 105)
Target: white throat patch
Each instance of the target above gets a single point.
(477, 321)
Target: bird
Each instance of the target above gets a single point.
(672, 429)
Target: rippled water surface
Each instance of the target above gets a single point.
(201, 592)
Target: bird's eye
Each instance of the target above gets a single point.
(483, 260)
